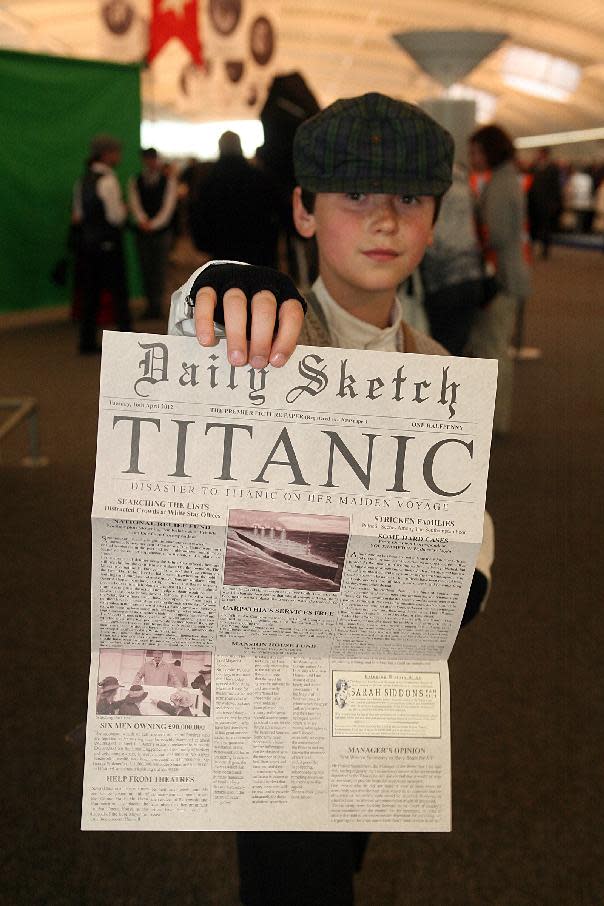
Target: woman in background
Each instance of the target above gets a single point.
(501, 214)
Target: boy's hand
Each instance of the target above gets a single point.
(255, 303)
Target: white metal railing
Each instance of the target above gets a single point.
(24, 409)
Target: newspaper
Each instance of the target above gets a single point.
(281, 559)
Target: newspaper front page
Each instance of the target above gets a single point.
(281, 560)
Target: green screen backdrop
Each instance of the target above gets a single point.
(50, 108)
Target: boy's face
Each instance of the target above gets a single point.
(368, 244)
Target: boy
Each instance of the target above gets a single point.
(371, 173)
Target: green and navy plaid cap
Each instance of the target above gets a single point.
(373, 143)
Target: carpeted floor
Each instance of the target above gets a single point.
(526, 691)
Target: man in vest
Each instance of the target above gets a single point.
(152, 197)
(100, 211)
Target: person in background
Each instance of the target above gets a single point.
(179, 705)
(100, 212)
(598, 222)
(452, 269)
(544, 200)
(203, 682)
(178, 676)
(152, 197)
(130, 704)
(200, 680)
(501, 220)
(155, 672)
(578, 197)
(105, 696)
(235, 213)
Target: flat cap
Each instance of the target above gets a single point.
(373, 143)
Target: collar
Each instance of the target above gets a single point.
(350, 332)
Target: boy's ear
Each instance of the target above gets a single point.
(304, 221)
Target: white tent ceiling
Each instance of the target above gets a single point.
(341, 49)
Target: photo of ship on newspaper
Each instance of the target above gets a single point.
(286, 550)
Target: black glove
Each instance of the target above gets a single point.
(250, 279)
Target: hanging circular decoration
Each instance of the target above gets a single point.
(191, 75)
(225, 15)
(252, 96)
(234, 70)
(262, 40)
(118, 16)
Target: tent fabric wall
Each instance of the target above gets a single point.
(50, 108)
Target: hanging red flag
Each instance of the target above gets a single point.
(174, 19)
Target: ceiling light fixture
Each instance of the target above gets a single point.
(447, 56)
(560, 138)
(540, 74)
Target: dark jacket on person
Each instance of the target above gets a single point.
(235, 213)
(96, 231)
(126, 707)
